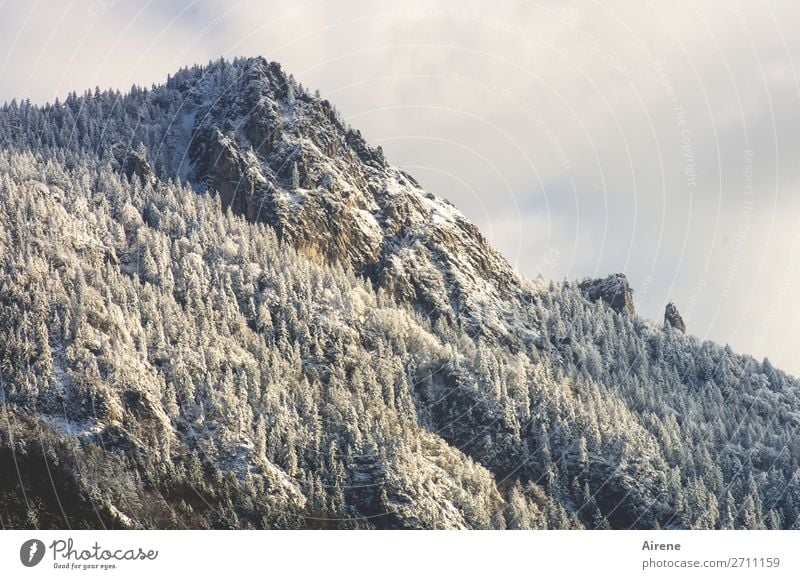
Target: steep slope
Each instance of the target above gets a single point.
(276, 154)
(222, 378)
(220, 293)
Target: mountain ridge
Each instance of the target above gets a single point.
(220, 293)
(277, 154)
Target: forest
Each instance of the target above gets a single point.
(169, 359)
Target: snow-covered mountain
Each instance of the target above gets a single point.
(222, 307)
(277, 155)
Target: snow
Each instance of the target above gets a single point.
(122, 517)
(77, 428)
(369, 224)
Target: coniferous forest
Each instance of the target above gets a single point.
(221, 308)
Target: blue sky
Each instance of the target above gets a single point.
(582, 137)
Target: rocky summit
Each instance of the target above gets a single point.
(672, 317)
(614, 290)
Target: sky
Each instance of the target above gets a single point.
(583, 138)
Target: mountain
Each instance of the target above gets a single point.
(220, 307)
(277, 155)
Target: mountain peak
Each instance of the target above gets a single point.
(614, 290)
(279, 155)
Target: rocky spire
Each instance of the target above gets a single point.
(673, 317)
(613, 290)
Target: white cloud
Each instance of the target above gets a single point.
(548, 123)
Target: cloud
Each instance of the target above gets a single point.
(609, 137)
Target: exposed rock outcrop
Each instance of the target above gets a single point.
(673, 317)
(135, 163)
(278, 155)
(614, 290)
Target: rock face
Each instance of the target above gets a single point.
(614, 290)
(673, 317)
(279, 155)
(135, 164)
